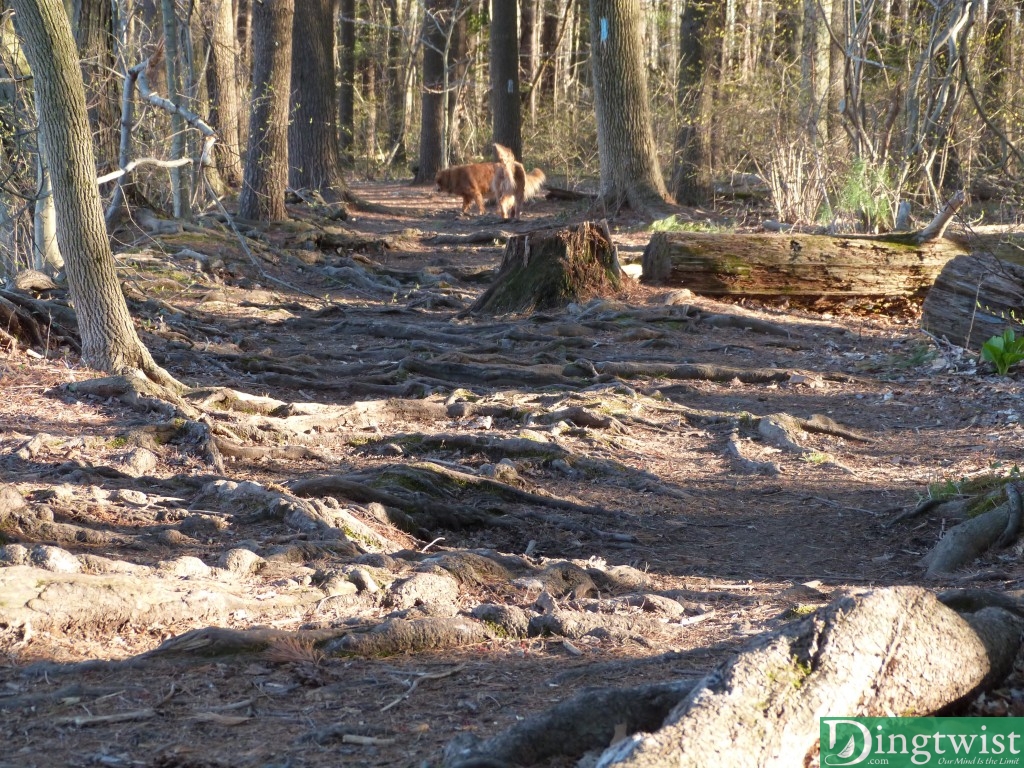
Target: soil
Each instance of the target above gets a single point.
(430, 485)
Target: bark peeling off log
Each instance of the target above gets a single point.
(794, 266)
(975, 297)
(888, 651)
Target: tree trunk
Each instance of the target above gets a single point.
(109, 340)
(692, 180)
(94, 34)
(347, 77)
(629, 163)
(45, 253)
(505, 102)
(529, 51)
(312, 129)
(795, 266)
(266, 169)
(181, 190)
(222, 83)
(432, 150)
(979, 294)
(548, 269)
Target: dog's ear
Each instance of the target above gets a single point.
(505, 155)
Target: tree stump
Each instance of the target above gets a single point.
(550, 268)
(979, 294)
(796, 266)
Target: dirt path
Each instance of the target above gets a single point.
(429, 526)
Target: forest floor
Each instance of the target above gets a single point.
(440, 525)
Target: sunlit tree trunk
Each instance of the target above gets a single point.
(266, 168)
(312, 129)
(222, 83)
(109, 340)
(629, 163)
(180, 187)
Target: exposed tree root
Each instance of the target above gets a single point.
(590, 720)
(861, 655)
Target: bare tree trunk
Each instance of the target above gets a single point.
(266, 169)
(347, 77)
(109, 340)
(312, 129)
(692, 181)
(94, 34)
(505, 101)
(629, 163)
(432, 149)
(529, 51)
(180, 187)
(222, 83)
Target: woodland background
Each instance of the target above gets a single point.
(840, 108)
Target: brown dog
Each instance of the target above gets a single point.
(512, 185)
(472, 182)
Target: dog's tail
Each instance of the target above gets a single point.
(532, 182)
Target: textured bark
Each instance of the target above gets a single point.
(552, 268)
(505, 104)
(109, 340)
(222, 82)
(347, 76)
(629, 163)
(266, 170)
(94, 36)
(313, 129)
(893, 650)
(691, 182)
(181, 187)
(432, 152)
(809, 266)
(978, 295)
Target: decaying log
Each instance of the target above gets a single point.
(897, 650)
(795, 265)
(549, 269)
(979, 294)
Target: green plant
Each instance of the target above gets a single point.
(1003, 351)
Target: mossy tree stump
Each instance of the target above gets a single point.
(550, 268)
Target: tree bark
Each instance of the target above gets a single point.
(109, 340)
(795, 266)
(94, 34)
(692, 182)
(505, 99)
(347, 77)
(266, 170)
(548, 269)
(313, 130)
(222, 83)
(432, 150)
(979, 294)
(629, 163)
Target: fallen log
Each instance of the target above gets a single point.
(796, 266)
(978, 294)
(897, 650)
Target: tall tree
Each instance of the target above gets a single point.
(347, 77)
(691, 182)
(181, 190)
(625, 140)
(313, 129)
(505, 101)
(266, 167)
(222, 82)
(109, 340)
(94, 34)
(432, 145)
